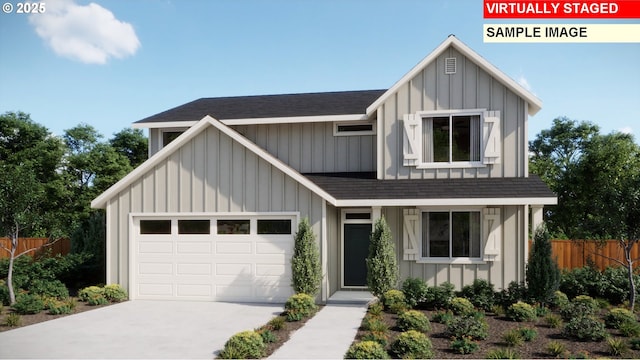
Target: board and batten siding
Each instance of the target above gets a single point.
(509, 267)
(211, 173)
(469, 88)
(312, 147)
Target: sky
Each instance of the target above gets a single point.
(109, 63)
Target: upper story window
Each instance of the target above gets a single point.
(169, 136)
(463, 138)
(354, 128)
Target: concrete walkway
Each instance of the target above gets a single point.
(328, 334)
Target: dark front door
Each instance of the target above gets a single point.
(356, 249)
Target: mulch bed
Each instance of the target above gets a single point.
(497, 326)
(42, 316)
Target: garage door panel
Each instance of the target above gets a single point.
(240, 247)
(194, 269)
(149, 268)
(154, 290)
(194, 247)
(195, 290)
(233, 269)
(270, 270)
(155, 247)
(272, 248)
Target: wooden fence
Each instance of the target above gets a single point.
(62, 246)
(574, 253)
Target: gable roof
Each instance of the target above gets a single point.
(269, 106)
(137, 173)
(534, 103)
(364, 190)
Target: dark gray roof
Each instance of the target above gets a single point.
(268, 106)
(350, 187)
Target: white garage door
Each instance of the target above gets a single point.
(213, 258)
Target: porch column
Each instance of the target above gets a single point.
(536, 217)
(376, 213)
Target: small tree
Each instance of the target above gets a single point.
(305, 264)
(543, 275)
(382, 268)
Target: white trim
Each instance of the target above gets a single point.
(99, 202)
(380, 146)
(536, 104)
(324, 251)
(446, 202)
(107, 253)
(353, 133)
(451, 165)
(259, 121)
(452, 261)
(343, 221)
(455, 112)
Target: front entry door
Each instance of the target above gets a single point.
(356, 250)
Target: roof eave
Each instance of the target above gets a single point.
(449, 202)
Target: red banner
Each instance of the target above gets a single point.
(561, 9)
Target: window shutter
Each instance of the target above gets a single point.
(410, 234)
(491, 137)
(411, 144)
(493, 233)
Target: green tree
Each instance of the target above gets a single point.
(132, 144)
(305, 264)
(382, 267)
(543, 275)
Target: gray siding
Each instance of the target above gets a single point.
(210, 173)
(469, 88)
(312, 148)
(509, 267)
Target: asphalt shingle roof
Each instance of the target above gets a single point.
(348, 187)
(269, 106)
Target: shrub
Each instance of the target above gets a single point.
(461, 306)
(114, 293)
(374, 324)
(581, 281)
(617, 347)
(502, 353)
(527, 333)
(543, 275)
(585, 328)
(480, 293)
(635, 343)
(13, 320)
(4, 294)
(393, 300)
(442, 317)
(267, 335)
(376, 309)
(413, 320)
(305, 263)
(464, 345)
(381, 338)
(299, 306)
(90, 292)
(616, 284)
(553, 321)
(243, 345)
(382, 269)
(97, 299)
(439, 297)
(366, 350)
(629, 329)
(582, 305)
(48, 288)
(512, 338)
(474, 326)
(276, 323)
(559, 300)
(28, 304)
(497, 309)
(512, 294)
(557, 349)
(57, 307)
(540, 310)
(414, 290)
(412, 345)
(618, 316)
(521, 311)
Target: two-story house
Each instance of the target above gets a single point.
(442, 155)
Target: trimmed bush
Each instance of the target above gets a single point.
(394, 300)
(366, 350)
(559, 300)
(442, 317)
(412, 345)
(585, 328)
(464, 345)
(57, 307)
(114, 293)
(299, 306)
(521, 311)
(243, 345)
(473, 326)
(381, 338)
(276, 323)
(267, 335)
(618, 316)
(439, 297)
(382, 268)
(376, 309)
(480, 293)
(374, 324)
(305, 263)
(28, 304)
(415, 291)
(512, 294)
(581, 305)
(461, 306)
(543, 275)
(49, 288)
(413, 320)
(90, 292)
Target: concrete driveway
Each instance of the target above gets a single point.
(138, 330)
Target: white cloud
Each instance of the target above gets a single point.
(87, 33)
(626, 130)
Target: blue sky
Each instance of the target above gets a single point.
(109, 63)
